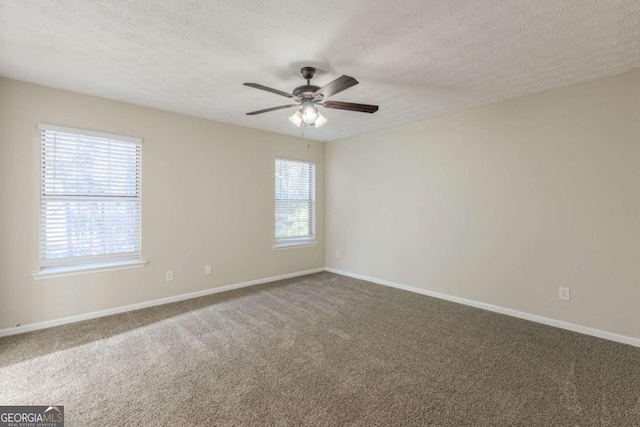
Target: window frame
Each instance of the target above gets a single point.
(303, 241)
(87, 264)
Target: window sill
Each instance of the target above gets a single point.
(294, 244)
(51, 273)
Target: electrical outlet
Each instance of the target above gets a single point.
(207, 270)
(338, 254)
(564, 293)
(168, 276)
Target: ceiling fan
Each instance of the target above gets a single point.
(310, 97)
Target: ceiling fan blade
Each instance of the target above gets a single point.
(336, 86)
(270, 89)
(363, 108)
(266, 110)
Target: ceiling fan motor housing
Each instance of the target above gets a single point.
(306, 91)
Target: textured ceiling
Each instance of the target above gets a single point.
(415, 58)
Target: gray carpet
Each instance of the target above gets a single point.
(321, 350)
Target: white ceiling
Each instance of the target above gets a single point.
(415, 58)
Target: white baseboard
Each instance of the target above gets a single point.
(86, 316)
(497, 309)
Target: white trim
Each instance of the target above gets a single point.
(497, 309)
(309, 240)
(69, 266)
(108, 312)
(484, 306)
(64, 129)
(50, 273)
(294, 244)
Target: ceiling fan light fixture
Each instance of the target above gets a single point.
(296, 119)
(320, 120)
(309, 112)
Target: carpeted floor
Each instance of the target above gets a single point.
(321, 350)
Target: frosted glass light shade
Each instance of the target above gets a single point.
(320, 120)
(296, 119)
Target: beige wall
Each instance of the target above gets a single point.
(207, 199)
(502, 204)
(499, 204)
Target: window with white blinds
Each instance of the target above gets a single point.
(295, 202)
(90, 198)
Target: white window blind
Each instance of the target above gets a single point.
(295, 201)
(90, 197)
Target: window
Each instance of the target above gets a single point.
(295, 203)
(90, 199)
